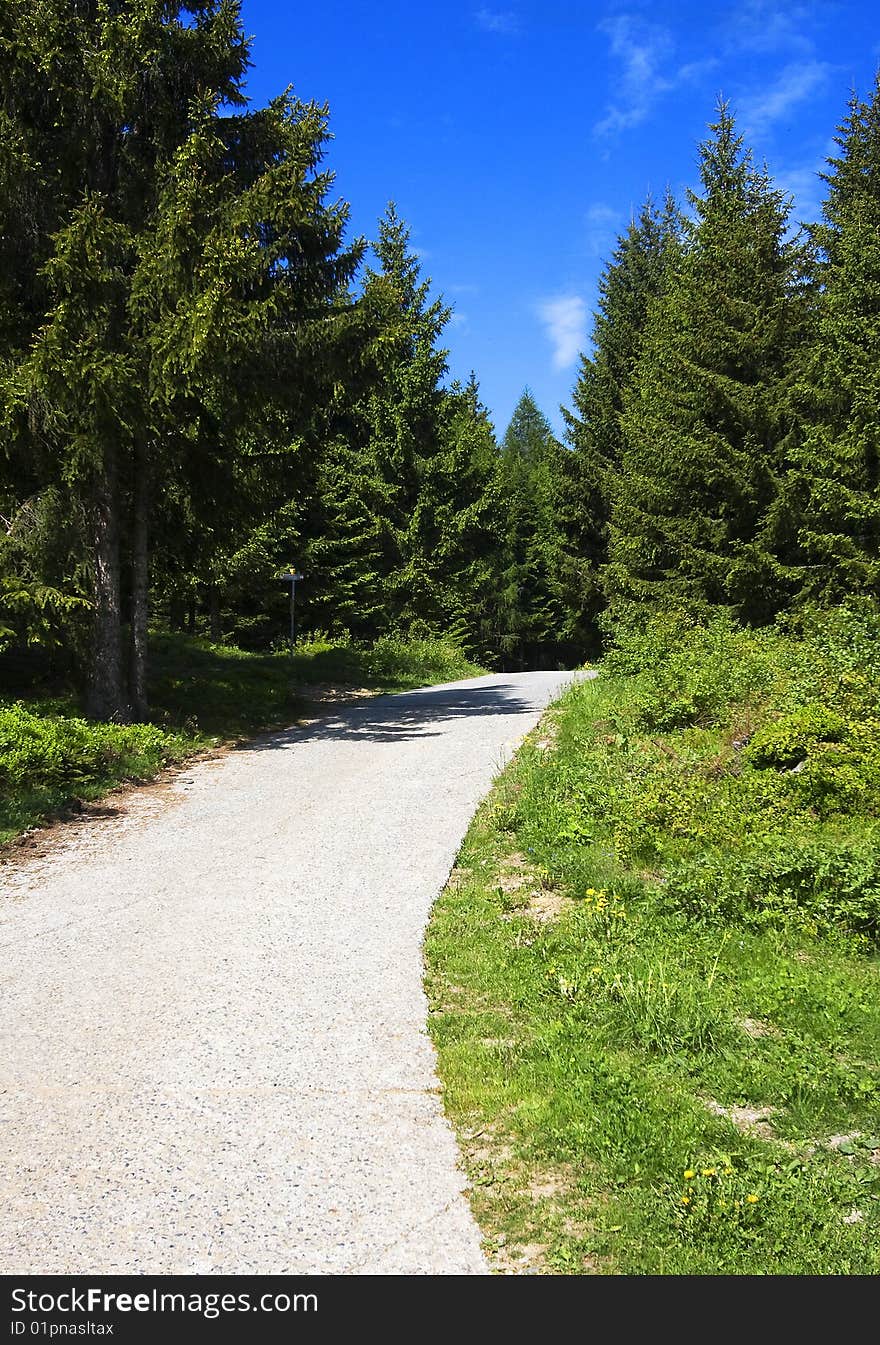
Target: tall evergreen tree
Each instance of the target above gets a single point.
(92, 99)
(707, 418)
(461, 522)
(533, 617)
(404, 414)
(181, 261)
(629, 285)
(833, 499)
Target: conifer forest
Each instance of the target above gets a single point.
(205, 379)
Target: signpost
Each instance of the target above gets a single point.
(291, 578)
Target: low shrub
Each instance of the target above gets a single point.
(39, 751)
(787, 742)
(427, 661)
(816, 884)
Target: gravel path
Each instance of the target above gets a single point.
(213, 1054)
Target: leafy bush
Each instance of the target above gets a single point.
(429, 660)
(787, 742)
(49, 751)
(690, 675)
(817, 884)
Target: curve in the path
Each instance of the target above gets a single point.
(214, 1055)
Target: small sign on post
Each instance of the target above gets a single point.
(291, 578)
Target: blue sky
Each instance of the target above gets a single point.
(517, 138)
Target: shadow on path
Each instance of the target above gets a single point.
(411, 714)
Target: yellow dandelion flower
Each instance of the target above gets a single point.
(689, 1172)
(685, 1200)
(708, 1172)
(751, 1199)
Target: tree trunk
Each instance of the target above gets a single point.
(105, 697)
(216, 631)
(140, 577)
(191, 616)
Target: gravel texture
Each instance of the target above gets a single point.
(213, 1054)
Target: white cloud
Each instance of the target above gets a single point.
(565, 320)
(603, 225)
(793, 84)
(645, 54)
(642, 51)
(600, 213)
(807, 189)
(502, 21)
(763, 26)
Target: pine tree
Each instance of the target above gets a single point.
(248, 337)
(534, 620)
(86, 130)
(833, 505)
(404, 416)
(707, 418)
(630, 284)
(461, 522)
(183, 275)
(343, 543)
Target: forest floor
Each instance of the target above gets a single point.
(214, 1045)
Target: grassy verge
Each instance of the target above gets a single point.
(654, 977)
(202, 695)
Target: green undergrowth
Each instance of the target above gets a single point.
(201, 696)
(654, 977)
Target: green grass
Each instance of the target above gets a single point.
(654, 978)
(201, 695)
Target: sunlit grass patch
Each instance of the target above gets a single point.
(704, 1000)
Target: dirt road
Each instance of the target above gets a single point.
(213, 1054)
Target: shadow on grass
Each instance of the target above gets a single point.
(223, 693)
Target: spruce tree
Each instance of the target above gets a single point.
(832, 503)
(182, 275)
(629, 285)
(404, 416)
(461, 522)
(533, 617)
(85, 128)
(249, 337)
(707, 417)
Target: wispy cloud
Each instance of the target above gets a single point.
(502, 21)
(766, 26)
(642, 51)
(645, 53)
(793, 84)
(807, 190)
(565, 322)
(603, 224)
